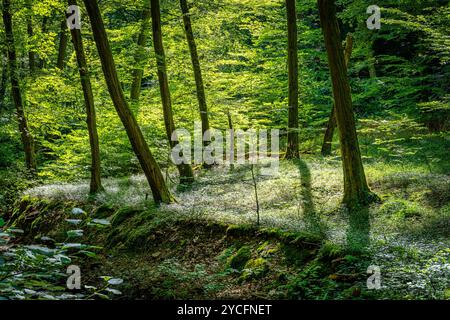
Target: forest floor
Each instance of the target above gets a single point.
(207, 244)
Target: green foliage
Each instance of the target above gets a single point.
(399, 77)
(254, 269)
(401, 209)
(38, 271)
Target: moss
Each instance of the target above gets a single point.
(254, 269)
(401, 209)
(226, 254)
(300, 239)
(267, 249)
(139, 237)
(104, 211)
(240, 258)
(447, 294)
(295, 256)
(123, 214)
(240, 230)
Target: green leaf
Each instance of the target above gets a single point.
(113, 291)
(104, 222)
(73, 221)
(75, 233)
(115, 281)
(78, 211)
(89, 253)
(41, 249)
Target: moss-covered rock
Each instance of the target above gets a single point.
(240, 258)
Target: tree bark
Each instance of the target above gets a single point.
(4, 78)
(30, 32)
(138, 72)
(356, 190)
(185, 170)
(201, 97)
(293, 143)
(26, 136)
(77, 40)
(331, 126)
(140, 147)
(63, 39)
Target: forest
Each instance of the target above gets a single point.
(224, 149)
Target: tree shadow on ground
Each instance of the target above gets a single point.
(310, 215)
(358, 232)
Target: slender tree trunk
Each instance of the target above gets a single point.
(31, 52)
(138, 72)
(77, 40)
(356, 190)
(27, 138)
(43, 31)
(293, 143)
(63, 38)
(201, 97)
(185, 170)
(140, 147)
(231, 130)
(331, 126)
(4, 78)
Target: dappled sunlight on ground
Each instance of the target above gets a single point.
(407, 233)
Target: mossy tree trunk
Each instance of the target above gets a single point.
(77, 41)
(63, 39)
(201, 97)
(140, 147)
(331, 125)
(26, 136)
(356, 190)
(185, 169)
(138, 71)
(292, 151)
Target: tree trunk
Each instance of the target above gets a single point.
(27, 138)
(231, 130)
(185, 170)
(329, 133)
(292, 147)
(31, 52)
(331, 126)
(201, 97)
(62, 45)
(138, 72)
(140, 147)
(43, 31)
(356, 190)
(77, 40)
(4, 78)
